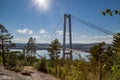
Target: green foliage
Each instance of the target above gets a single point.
(104, 60)
(29, 51)
(5, 38)
(116, 67)
(63, 69)
(12, 62)
(30, 47)
(83, 69)
(110, 12)
(11, 59)
(15, 60)
(0, 59)
(41, 65)
(116, 72)
(101, 60)
(116, 57)
(116, 42)
(96, 51)
(54, 49)
(71, 70)
(107, 59)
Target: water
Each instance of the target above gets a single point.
(45, 53)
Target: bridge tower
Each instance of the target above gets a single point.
(67, 17)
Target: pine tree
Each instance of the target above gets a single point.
(116, 42)
(116, 57)
(54, 49)
(30, 47)
(5, 41)
(30, 50)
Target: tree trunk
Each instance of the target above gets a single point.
(3, 57)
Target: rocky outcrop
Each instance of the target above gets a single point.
(33, 75)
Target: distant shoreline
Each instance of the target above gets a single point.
(45, 46)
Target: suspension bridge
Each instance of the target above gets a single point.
(66, 30)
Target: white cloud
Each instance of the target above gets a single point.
(42, 31)
(102, 37)
(25, 31)
(20, 40)
(25, 39)
(93, 39)
(59, 33)
(37, 37)
(107, 38)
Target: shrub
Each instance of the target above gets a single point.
(41, 65)
(0, 59)
(11, 59)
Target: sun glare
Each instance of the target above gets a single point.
(42, 4)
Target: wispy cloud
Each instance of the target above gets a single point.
(37, 37)
(20, 39)
(25, 31)
(25, 39)
(42, 31)
(60, 33)
(102, 37)
(93, 39)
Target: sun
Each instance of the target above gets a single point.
(42, 4)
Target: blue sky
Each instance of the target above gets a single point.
(38, 18)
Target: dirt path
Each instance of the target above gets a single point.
(34, 75)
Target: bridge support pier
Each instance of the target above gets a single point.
(67, 18)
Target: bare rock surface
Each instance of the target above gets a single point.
(34, 75)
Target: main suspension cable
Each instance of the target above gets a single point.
(54, 31)
(92, 25)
